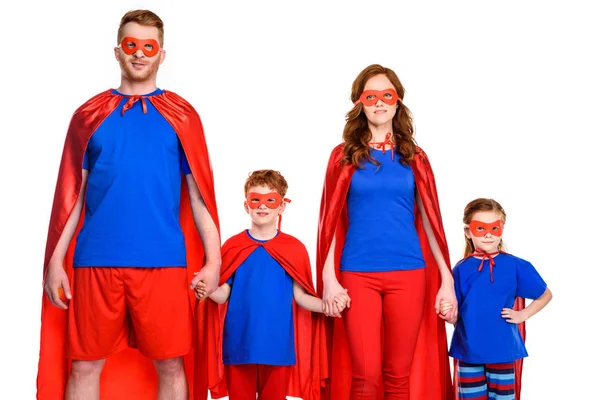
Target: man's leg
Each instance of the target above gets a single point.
(84, 381)
(161, 315)
(172, 384)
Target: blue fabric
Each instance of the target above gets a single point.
(135, 162)
(259, 325)
(381, 233)
(481, 335)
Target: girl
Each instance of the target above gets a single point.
(488, 282)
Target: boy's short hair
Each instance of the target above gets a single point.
(269, 178)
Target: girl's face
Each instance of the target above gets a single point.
(380, 113)
(485, 230)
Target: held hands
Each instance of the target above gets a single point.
(514, 316)
(57, 286)
(335, 299)
(446, 305)
(209, 277)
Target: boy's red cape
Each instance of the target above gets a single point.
(430, 374)
(126, 375)
(310, 371)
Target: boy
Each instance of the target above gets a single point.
(265, 275)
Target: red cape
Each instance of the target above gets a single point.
(518, 364)
(128, 374)
(310, 371)
(430, 374)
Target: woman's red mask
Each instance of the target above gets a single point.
(480, 229)
(271, 200)
(130, 45)
(371, 97)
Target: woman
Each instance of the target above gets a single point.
(381, 237)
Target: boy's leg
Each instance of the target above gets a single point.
(501, 381)
(161, 316)
(242, 381)
(97, 327)
(273, 382)
(471, 381)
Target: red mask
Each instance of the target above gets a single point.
(130, 45)
(370, 97)
(480, 229)
(271, 200)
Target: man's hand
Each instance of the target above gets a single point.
(57, 286)
(209, 275)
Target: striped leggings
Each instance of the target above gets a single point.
(486, 381)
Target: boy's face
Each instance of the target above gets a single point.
(266, 209)
(140, 65)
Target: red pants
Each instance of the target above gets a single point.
(269, 381)
(388, 301)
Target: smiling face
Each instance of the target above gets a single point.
(381, 113)
(142, 62)
(485, 230)
(264, 205)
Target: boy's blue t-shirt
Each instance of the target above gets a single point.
(259, 325)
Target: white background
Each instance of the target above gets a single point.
(505, 99)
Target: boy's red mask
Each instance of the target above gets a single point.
(480, 229)
(371, 97)
(271, 200)
(130, 45)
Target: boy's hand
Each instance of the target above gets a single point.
(200, 291)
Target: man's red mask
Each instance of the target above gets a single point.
(480, 229)
(271, 200)
(371, 97)
(130, 45)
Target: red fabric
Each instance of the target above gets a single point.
(394, 299)
(310, 371)
(269, 381)
(128, 374)
(430, 373)
(108, 302)
(518, 364)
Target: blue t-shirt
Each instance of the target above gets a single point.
(381, 218)
(135, 162)
(481, 335)
(259, 325)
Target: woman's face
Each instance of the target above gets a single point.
(380, 113)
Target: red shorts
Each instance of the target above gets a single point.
(115, 308)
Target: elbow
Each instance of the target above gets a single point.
(549, 294)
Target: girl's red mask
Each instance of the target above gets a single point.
(480, 229)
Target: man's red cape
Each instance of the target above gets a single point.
(310, 371)
(518, 364)
(128, 374)
(430, 374)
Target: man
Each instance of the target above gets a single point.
(117, 297)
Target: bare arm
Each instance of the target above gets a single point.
(446, 291)
(209, 236)
(333, 292)
(307, 301)
(56, 277)
(221, 295)
(533, 308)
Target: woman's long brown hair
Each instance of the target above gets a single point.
(474, 207)
(356, 132)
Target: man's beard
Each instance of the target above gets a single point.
(150, 70)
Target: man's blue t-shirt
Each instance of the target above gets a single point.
(381, 218)
(135, 162)
(481, 335)
(259, 325)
